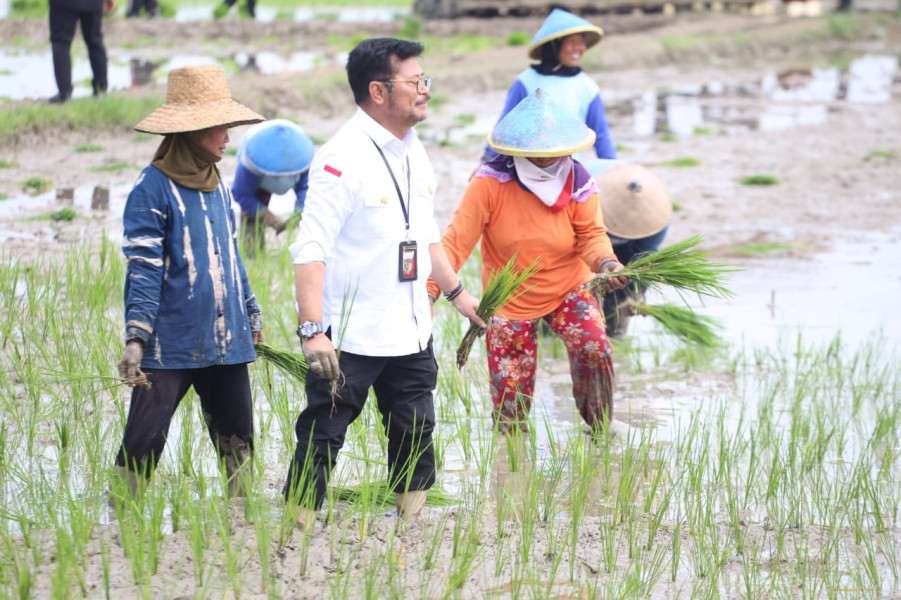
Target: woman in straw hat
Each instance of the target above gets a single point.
(559, 45)
(535, 202)
(190, 316)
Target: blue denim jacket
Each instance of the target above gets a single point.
(187, 296)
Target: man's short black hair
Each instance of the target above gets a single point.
(371, 61)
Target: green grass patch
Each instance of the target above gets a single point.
(843, 26)
(4, 196)
(465, 119)
(763, 248)
(64, 214)
(622, 148)
(231, 151)
(882, 154)
(411, 29)
(89, 147)
(518, 38)
(702, 130)
(7, 164)
(668, 137)
(112, 167)
(141, 41)
(37, 185)
(108, 112)
(682, 161)
(759, 180)
(28, 9)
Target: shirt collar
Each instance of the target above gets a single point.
(381, 136)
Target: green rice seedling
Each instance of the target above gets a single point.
(683, 322)
(501, 287)
(37, 185)
(64, 214)
(762, 179)
(113, 167)
(292, 364)
(88, 147)
(759, 249)
(681, 162)
(517, 37)
(682, 266)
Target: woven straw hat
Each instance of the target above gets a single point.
(560, 24)
(634, 201)
(538, 127)
(197, 98)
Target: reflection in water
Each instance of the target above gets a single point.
(781, 101)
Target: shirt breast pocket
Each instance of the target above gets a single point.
(377, 199)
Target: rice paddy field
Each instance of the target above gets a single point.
(781, 480)
(763, 462)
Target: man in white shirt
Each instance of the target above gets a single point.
(365, 248)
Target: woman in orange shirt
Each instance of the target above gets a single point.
(533, 200)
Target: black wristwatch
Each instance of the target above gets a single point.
(309, 329)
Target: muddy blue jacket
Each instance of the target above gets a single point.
(187, 296)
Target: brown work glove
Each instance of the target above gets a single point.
(321, 357)
(130, 363)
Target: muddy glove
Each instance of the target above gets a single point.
(321, 356)
(130, 364)
(256, 327)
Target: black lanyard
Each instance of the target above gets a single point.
(404, 207)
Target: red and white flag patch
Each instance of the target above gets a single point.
(332, 170)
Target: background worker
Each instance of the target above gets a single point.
(636, 208)
(273, 157)
(559, 45)
(65, 15)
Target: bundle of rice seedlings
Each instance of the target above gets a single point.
(106, 382)
(682, 266)
(292, 364)
(379, 494)
(503, 286)
(682, 322)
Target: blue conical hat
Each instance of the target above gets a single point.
(276, 148)
(538, 127)
(560, 24)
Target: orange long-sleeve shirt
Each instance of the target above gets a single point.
(571, 244)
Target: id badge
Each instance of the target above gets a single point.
(407, 268)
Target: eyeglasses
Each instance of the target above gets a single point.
(423, 82)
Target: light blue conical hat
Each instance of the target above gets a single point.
(538, 127)
(560, 24)
(276, 148)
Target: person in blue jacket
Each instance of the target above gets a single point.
(191, 318)
(558, 46)
(273, 157)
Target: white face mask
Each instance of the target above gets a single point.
(546, 183)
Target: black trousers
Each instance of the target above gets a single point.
(225, 399)
(251, 6)
(135, 6)
(403, 386)
(62, 31)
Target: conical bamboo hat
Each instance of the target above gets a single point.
(634, 201)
